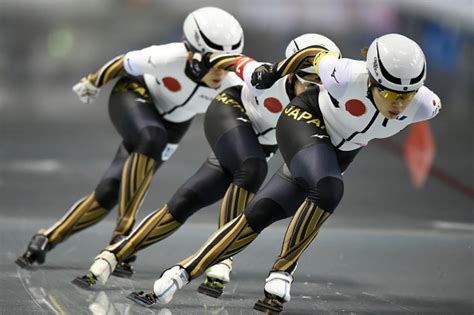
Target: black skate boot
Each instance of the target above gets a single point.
(125, 269)
(85, 282)
(35, 253)
(269, 304)
(212, 287)
(142, 298)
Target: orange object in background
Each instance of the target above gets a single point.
(419, 151)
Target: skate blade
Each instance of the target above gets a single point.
(123, 273)
(140, 298)
(82, 282)
(210, 291)
(267, 308)
(24, 263)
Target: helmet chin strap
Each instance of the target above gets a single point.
(306, 83)
(190, 47)
(370, 96)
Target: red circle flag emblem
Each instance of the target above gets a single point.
(171, 84)
(356, 107)
(273, 105)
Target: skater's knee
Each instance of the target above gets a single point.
(106, 193)
(251, 174)
(262, 213)
(327, 193)
(183, 204)
(152, 141)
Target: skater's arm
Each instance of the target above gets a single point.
(88, 87)
(201, 64)
(111, 70)
(267, 74)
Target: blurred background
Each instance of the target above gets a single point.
(408, 200)
(50, 140)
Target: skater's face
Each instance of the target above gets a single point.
(214, 77)
(389, 103)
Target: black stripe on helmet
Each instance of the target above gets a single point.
(296, 44)
(384, 71)
(419, 77)
(207, 40)
(235, 46)
(212, 44)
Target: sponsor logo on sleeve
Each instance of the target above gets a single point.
(333, 75)
(150, 61)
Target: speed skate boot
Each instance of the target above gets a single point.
(277, 292)
(99, 272)
(216, 277)
(164, 288)
(35, 253)
(125, 269)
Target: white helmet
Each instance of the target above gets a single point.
(396, 63)
(307, 40)
(212, 29)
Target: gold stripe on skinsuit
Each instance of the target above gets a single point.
(230, 228)
(246, 237)
(123, 188)
(235, 201)
(303, 59)
(136, 178)
(107, 72)
(167, 227)
(224, 61)
(81, 215)
(219, 245)
(97, 216)
(303, 228)
(155, 227)
(299, 232)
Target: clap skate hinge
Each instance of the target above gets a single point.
(142, 298)
(269, 304)
(85, 282)
(212, 287)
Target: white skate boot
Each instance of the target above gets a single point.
(277, 292)
(216, 277)
(100, 271)
(170, 281)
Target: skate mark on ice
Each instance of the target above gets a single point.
(388, 301)
(25, 286)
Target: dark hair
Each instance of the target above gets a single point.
(364, 51)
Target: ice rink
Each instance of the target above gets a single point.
(386, 250)
(389, 248)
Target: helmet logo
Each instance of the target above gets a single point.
(197, 38)
(375, 65)
(151, 62)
